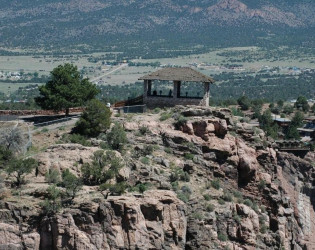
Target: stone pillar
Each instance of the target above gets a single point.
(149, 87)
(206, 94)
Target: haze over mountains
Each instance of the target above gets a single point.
(112, 22)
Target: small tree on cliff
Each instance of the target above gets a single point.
(66, 89)
(94, 120)
(21, 167)
(72, 183)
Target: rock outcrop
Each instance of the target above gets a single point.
(155, 220)
(64, 156)
(202, 181)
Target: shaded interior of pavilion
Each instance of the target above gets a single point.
(180, 89)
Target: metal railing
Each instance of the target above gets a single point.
(6, 118)
(130, 102)
(55, 121)
(132, 109)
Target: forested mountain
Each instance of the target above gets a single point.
(170, 23)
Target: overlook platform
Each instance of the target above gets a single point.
(154, 98)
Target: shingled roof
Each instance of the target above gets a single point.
(178, 74)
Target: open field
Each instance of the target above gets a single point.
(249, 59)
(9, 88)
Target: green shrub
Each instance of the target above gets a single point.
(184, 193)
(244, 102)
(210, 207)
(94, 173)
(248, 202)
(263, 229)
(115, 189)
(189, 156)
(165, 115)
(222, 237)
(147, 150)
(72, 183)
(185, 177)
(19, 168)
(143, 187)
(227, 197)
(52, 176)
(180, 121)
(5, 156)
(302, 103)
(140, 187)
(52, 204)
(144, 130)
(197, 216)
(288, 109)
(75, 138)
(179, 174)
(237, 194)
(145, 160)
(117, 138)
(261, 185)
(207, 197)
(44, 130)
(255, 207)
(237, 112)
(183, 197)
(104, 145)
(168, 150)
(221, 201)
(2, 187)
(175, 185)
(237, 218)
(94, 120)
(215, 183)
(156, 110)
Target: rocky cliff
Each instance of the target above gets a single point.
(212, 182)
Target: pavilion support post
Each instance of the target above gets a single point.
(206, 93)
(145, 91)
(149, 87)
(176, 89)
(145, 88)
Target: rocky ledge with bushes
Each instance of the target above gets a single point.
(184, 178)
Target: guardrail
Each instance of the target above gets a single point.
(132, 109)
(130, 102)
(6, 118)
(55, 121)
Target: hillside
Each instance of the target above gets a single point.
(117, 25)
(199, 179)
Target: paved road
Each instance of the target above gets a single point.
(110, 72)
(57, 125)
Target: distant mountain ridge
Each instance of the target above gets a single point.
(233, 11)
(91, 22)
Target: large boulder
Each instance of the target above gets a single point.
(248, 164)
(249, 226)
(64, 156)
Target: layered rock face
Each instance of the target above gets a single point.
(155, 220)
(214, 183)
